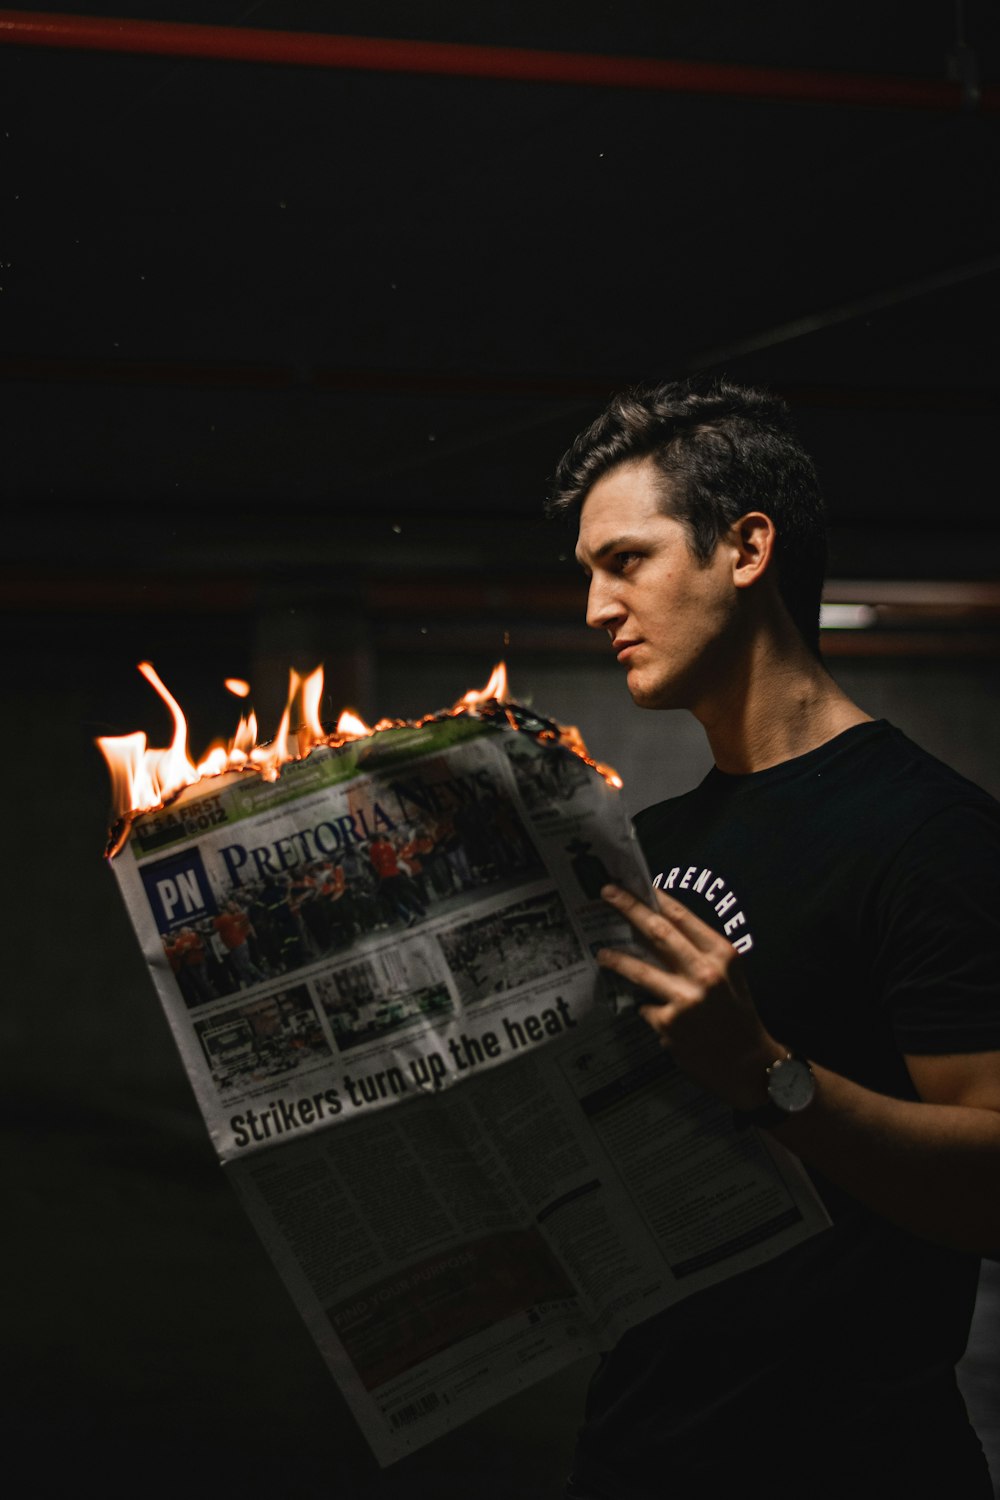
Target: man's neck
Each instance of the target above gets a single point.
(779, 705)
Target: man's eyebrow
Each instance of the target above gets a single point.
(625, 542)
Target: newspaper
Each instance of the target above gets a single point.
(468, 1158)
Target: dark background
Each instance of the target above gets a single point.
(288, 355)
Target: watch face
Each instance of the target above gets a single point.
(790, 1084)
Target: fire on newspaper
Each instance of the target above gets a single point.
(374, 918)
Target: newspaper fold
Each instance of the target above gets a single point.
(346, 958)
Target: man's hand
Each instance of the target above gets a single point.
(930, 1165)
(700, 1003)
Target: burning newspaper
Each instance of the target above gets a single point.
(469, 1160)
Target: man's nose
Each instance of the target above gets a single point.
(603, 609)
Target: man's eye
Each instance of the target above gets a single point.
(624, 560)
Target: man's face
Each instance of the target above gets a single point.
(670, 618)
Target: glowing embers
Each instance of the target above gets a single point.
(144, 778)
(572, 739)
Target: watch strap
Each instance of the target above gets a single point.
(763, 1116)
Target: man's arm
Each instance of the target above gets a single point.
(931, 1165)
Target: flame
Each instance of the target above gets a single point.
(312, 694)
(571, 737)
(269, 759)
(176, 765)
(131, 786)
(495, 689)
(352, 726)
(144, 778)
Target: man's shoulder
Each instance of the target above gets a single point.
(902, 775)
(872, 784)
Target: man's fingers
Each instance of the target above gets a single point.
(658, 1016)
(661, 986)
(682, 925)
(697, 932)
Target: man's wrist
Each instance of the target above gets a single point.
(752, 1093)
(789, 1087)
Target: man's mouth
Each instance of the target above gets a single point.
(623, 649)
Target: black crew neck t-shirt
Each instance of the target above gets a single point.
(861, 884)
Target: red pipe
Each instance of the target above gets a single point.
(458, 59)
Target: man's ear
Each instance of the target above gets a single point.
(753, 539)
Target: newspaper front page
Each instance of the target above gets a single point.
(346, 958)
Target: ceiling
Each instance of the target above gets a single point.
(303, 325)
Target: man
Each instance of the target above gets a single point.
(235, 929)
(190, 951)
(394, 885)
(858, 1019)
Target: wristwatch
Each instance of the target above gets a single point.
(791, 1086)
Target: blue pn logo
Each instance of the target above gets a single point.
(178, 890)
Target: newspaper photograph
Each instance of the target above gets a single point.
(336, 952)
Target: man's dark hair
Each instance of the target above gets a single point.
(723, 450)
